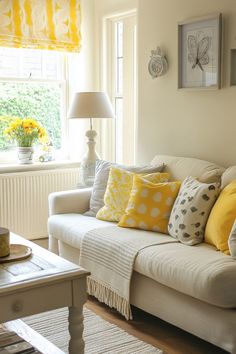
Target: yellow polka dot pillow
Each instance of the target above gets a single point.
(118, 190)
(150, 205)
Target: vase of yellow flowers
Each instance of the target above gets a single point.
(25, 132)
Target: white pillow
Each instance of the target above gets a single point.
(191, 210)
(101, 178)
(232, 241)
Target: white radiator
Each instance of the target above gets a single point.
(24, 199)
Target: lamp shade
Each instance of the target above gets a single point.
(90, 105)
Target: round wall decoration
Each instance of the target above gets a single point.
(157, 65)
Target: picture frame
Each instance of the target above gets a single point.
(199, 53)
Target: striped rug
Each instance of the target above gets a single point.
(101, 337)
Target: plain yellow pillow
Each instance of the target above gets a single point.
(150, 205)
(222, 218)
(118, 190)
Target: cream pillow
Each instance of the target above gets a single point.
(191, 209)
(118, 190)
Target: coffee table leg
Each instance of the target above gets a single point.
(76, 327)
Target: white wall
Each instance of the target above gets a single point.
(199, 124)
(86, 67)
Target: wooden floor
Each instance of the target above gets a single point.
(150, 329)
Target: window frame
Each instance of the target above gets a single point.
(108, 70)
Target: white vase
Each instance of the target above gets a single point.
(25, 155)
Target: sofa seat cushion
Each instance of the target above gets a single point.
(199, 271)
(71, 228)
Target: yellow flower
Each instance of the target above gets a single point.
(43, 139)
(7, 131)
(25, 131)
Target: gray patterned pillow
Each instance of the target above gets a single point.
(191, 210)
(101, 178)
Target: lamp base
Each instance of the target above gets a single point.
(87, 173)
(88, 164)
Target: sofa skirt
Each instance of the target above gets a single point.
(213, 324)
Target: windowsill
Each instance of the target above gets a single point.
(38, 166)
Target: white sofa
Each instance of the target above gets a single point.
(192, 287)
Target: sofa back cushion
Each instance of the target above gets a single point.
(181, 167)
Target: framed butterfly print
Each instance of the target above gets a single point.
(199, 53)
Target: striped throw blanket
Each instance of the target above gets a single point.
(109, 254)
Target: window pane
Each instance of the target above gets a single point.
(119, 77)
(119, 128)
(119, 36)
(119, 89)
(9, 65)
(41, 101)
(29, 63)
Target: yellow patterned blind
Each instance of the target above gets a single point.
(41, 24)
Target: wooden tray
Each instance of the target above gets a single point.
(17, 252)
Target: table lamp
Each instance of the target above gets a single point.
(90, 105)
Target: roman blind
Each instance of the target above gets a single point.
(41, 24)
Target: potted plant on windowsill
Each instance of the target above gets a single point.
(25, 132)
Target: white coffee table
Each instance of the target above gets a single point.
(41, 283)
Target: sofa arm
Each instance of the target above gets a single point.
(74, 201)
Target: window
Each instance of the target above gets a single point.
(118, 84)
(121, 84)
(33, 84)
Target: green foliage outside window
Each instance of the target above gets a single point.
(39, 101)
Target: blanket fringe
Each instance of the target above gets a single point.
(109, 297)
